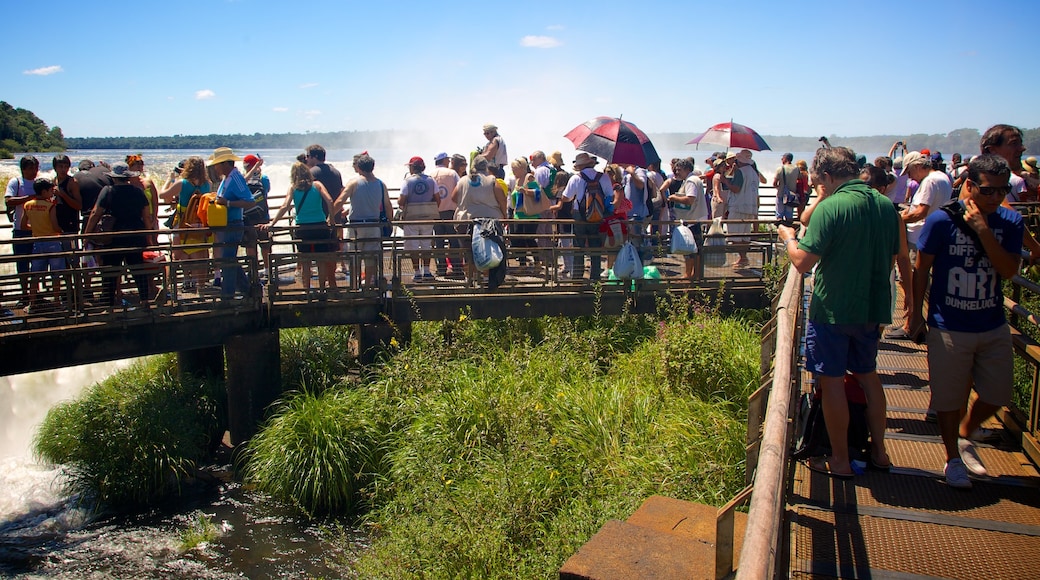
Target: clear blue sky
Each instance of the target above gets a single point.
(807, 68)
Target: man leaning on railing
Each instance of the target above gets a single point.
(852, 240)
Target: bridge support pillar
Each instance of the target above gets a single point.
(201, 362)
(254, 381)
(374, 338)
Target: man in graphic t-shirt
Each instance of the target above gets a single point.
(968, 255)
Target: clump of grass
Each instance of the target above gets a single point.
(314, 358)
(317, 451)
(200, 530)
(132, 438)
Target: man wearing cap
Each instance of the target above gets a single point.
(446, 180)
(233, 193)
(418, 202)
(260, 186)
(495, 151)
(586, 235)
(132, 212)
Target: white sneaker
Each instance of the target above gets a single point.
(970, 457)
(956, 474)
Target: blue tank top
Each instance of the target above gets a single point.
(310, 210)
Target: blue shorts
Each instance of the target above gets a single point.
(832, 349)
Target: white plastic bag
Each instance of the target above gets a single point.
(627, 265)
(683, 242)
(486, 253)
(715, 238)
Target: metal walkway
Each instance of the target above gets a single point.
(908, 523)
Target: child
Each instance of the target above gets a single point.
(41, 217)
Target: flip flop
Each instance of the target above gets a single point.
(871, 464)
(822, 465)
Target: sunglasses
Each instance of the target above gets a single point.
(1001, 190)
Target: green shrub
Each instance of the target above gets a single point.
(317, 451)
(134, 437)
(314, 358)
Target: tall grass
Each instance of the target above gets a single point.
(134, 437)
(495, 449)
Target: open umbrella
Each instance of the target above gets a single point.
(615, 140)
(732, 136)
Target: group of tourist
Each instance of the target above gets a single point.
(957, 239)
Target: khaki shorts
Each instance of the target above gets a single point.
(956, 359)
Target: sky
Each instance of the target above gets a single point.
(803, 68)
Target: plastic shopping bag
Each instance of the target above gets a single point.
(486, 253)
(683, 241)
(627, 264)
(715, 238)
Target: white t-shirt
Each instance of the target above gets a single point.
(446, 180)
(692, 188)
(1018, 187)
(575, 190)
(935, 190)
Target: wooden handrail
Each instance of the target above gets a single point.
(758, 554)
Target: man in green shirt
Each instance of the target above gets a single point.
(852, 240)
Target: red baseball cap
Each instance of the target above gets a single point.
(250, 159)
(416, 161)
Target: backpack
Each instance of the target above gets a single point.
(811, 436)
(190, 217)
(593, 207)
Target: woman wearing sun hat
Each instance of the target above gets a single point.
(233, 193)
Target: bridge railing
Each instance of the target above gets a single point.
(180, 266)
(769, 442)
(1024, 419)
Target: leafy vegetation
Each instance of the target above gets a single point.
(200, 530)
(495, 449)
(134, 437)
(21, 130)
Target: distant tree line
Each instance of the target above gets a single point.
(330, 140)
(21, 130)
(963, 141)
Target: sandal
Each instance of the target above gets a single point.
(875, 466)
(822, 465)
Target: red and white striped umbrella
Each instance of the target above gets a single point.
(732, 136)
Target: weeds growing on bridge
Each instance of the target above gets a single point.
(494, 449)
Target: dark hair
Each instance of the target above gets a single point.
(874, 176)
(28, 161)
(838, 162)
(684, 164)
(364, 162)
(42, 184)
(61, 158)
(787, 158)
(990, 164)
(994, 136)
(302, 158)
(316, 151)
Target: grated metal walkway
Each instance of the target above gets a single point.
(908, 523)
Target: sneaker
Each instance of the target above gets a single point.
(985, 435)
(6, 312)
(956, 474)
(930, 416)
(417, 277)
(970, 457)
(428, 275)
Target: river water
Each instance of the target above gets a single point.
(43, 534)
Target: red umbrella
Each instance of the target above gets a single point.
(615, 140)
(732, 136)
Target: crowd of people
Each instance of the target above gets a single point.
(949, 235)
(545, 197)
